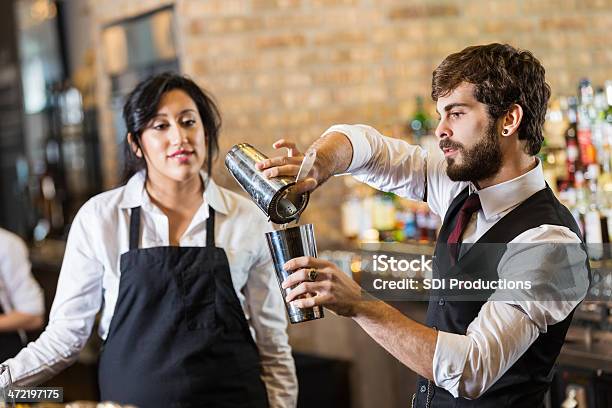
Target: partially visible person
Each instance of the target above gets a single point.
(21, 298)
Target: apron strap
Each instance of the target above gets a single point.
(134, 228)
(210, 228)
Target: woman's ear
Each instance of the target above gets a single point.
(134, 145)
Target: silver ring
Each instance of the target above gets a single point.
(312, 275)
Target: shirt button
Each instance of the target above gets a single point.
(423, 388)
(441, 302)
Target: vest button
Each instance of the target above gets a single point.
(441, 302)
(423, 388)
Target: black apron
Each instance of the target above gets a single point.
(10, 343)
(178, 336)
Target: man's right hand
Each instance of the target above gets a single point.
(289, 166)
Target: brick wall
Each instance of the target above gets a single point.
(291, 68)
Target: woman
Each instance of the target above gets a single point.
(182, 271)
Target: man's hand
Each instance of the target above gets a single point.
(410, 342)
(288, 166)
(332, 288)
(334, 155)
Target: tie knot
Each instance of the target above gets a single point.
(472, 204)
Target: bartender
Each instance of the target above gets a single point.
(21, 298)
(191, 311)
(489, 188)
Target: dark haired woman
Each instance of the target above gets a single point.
(191, 312)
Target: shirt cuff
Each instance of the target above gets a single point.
(449, 360)
(4, 379)
(362, 151)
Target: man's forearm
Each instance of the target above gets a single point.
(334, 155)
(14, 321)
(412, 343)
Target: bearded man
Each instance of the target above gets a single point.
(489, 188)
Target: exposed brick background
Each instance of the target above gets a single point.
(291, 68)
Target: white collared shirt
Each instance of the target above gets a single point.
(467, 365)
(19, 291)
(89, 280)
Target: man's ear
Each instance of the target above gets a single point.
(512, 120)
(135, 148)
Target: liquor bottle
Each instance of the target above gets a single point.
(420, 124)
(586, 116)
(571, 140)
(410, 226)
(384, 216)
(607, 119)
(598, 125)
(353, 218)
(592, 215)
(604, 197)
(399, 234)
(52, 197)
(556, 123)
(604, 128)
(433, 223)
(581, 206)
(608, 113)
(604, 182)
(422, 223)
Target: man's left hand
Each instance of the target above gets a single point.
(331, 287)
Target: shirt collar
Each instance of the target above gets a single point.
(503, 196)
(135, 194)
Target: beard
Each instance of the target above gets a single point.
(481, 161)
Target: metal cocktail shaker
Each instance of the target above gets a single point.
(287, 244)
(272, 195)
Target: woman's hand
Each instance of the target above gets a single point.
(331, 287)
(289, 166)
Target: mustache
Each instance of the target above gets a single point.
(449, 144)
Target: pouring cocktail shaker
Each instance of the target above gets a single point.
(287, 244)
(272, 195)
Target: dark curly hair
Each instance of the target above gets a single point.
(502, 76)
(142, 104)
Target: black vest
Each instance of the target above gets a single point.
(526, 382)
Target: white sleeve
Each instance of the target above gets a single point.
(552, 260)
(22, 290)
(77, 300)
(467, 365)
(267, 314)
(385, 163)
(394, 165)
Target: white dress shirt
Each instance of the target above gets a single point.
(19, 291)
(467, 365)
(89, 280)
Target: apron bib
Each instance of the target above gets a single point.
(178, 336)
